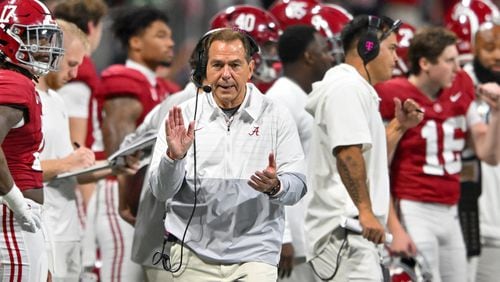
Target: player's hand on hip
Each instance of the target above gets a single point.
(372, 228)
(266, 180)
(179, 139)
(28, 219)
(25, 216)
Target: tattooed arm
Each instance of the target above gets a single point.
(351, 167)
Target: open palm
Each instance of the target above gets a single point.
(179, 139)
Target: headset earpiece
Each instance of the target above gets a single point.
(369, 42)
(199, 71)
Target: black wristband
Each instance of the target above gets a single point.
(274, 190)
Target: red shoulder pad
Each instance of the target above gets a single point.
(15, 88)
(170, 86)
(118, 80)
(86, 71)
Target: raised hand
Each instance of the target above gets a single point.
(265, 181)
(179, 139)
(408, 113)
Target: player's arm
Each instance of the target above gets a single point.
(402, 244)
(9, 117)
(485, 136)
(95, 175)
(352, 170)
(406, 115)
(121, 114)
(12, 195)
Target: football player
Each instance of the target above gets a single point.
(30, 47)
(129, 92)
(426, 165)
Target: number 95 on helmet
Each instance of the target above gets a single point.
(29, 36)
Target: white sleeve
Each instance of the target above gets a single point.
(287, 233)
(76, 95)
(473, 115)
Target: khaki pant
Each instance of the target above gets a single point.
(194, 269)
(153, 274)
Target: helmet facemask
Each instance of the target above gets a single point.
(267, 63)
(40, 47)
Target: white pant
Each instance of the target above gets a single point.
(194, 269)
(114, 236)
(22, 253)
(64, 260)
(435, 229)
(488, 269)
(359, 259)
(301, 272)
(153, 274)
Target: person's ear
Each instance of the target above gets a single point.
(424, 64)
(308, 57)
(251, 66)
(135, 43)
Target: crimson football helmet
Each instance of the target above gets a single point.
(263, 28)
(29, 36)
(329, 20)
(464, 20)
(404, 35)
(408, 270)
(292, 12)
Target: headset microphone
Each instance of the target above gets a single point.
(207, 88)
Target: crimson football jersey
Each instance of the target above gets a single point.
(427, 162)
(23, 144)
(119, 80)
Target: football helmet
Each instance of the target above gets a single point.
(464, 19)
(263, 28)
(404, 35)
(29, 36)
(291, 12)
(408, 270)
(329, 19)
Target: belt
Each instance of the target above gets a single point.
(171, 238)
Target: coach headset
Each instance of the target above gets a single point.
(369, 41)
(200, 70)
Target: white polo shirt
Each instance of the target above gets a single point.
(346, 112)
(60, 210)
